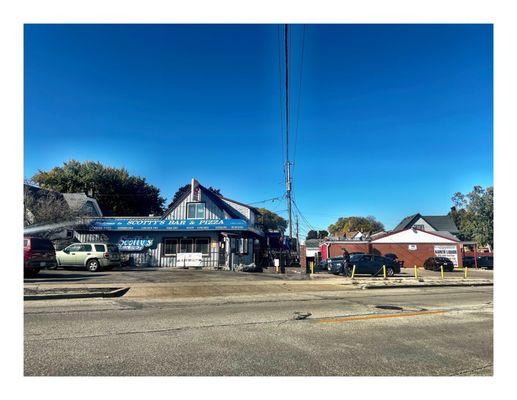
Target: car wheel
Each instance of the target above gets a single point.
(347, 272)
(93, 265)
(389, 271)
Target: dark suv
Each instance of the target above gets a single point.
(485, 262)
(366, 264)
(38, 253)
(434, 264)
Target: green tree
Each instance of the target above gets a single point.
(474, 215)
(268, 220)
(350, 224)
(322, 234)
(117, 192)
(312, 235)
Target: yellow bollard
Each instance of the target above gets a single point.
(384, 271)
(466, 270)
(311, 265)
(416, 272)
(353, 272)
(441, 270)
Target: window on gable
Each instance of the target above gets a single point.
(417, 226)
(196, 210)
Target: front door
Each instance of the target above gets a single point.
(68, 256)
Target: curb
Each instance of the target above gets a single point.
(415, 285)
(112, 293)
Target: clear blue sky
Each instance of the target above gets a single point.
(394, 119)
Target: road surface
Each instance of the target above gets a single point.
(436, 331)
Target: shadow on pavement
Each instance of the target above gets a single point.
(44, 278)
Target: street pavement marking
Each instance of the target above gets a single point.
(378, 316)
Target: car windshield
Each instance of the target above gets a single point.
(356, 257)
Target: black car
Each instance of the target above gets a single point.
(335, 265)
(391, 256)
(366, 264)
(469, 261)
(485, 262)
(434, 264)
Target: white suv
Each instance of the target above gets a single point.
(92, 256)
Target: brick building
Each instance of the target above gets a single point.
(412, 246)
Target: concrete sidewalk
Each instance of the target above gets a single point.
(232, 287)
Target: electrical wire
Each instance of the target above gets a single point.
(299, 99)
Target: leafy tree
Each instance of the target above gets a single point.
(185, 188)
(117, 192)
(268, 220)
(350, 224)
(474, 215)
(43, 207)
(322, 234)
(312, 235)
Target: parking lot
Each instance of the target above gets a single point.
(170, 275)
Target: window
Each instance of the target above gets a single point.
(41, 244)
(99, 247)
(196, 210)
(241, 246)
(73, 247)
(202, 246)
(186, 245)
(170, 247)
(85, 247)
(417, 226)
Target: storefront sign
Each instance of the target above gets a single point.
(189, 260)
(449, 252)
(134, 243)
(147, 224)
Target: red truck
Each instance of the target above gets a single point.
(38, 253)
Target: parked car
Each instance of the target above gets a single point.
(335, 264)
(38, 253)
(391, 256)
(434, 264)
(366, 264)
(92, 256)
(469, 261)
(485, 262)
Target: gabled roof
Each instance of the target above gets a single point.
(212, 196)
(254, 209)
(441, 222)
(443, 235)
(438, 222)
(406, 222)
(76, 202)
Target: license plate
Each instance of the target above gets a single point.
(42, 264)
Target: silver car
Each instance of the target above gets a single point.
(92, 256)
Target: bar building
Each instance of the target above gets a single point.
(200, 229)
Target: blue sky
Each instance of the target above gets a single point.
(393, 119)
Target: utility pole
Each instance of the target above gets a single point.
(297, 239)
(287, 162)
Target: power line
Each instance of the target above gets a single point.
(267, 200)
(280, 94)
(299, 98)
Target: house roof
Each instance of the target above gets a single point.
(441, 234)
(76, 201)
(212, 196)
(313, 243)
(438, 222)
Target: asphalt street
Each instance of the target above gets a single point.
(388, 332)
